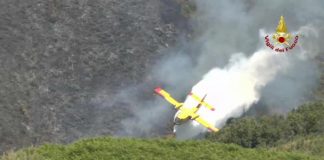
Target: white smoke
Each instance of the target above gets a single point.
(234, 65)
(234, 88)
(281, 80)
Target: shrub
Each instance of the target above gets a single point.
(268, 131)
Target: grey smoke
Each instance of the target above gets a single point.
(221, 29)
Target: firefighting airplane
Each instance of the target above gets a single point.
(184, 114)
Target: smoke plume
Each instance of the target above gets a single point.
(234, 88)
(232, 65)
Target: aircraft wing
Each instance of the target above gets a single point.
(206, 124)
(197, 98)
(168, 97)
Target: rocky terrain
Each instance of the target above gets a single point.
(55, 57)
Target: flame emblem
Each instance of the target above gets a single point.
(282, 36)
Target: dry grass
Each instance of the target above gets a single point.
(28, 154)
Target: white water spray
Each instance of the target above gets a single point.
(232, 90)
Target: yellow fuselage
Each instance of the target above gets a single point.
(185, 113)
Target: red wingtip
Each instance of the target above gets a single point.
(158, 89)
(190, 93)
(213, 109)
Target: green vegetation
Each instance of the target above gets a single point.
(299, 135)
(273, 130)
(301, 130)
(312, 145)
(121, 148)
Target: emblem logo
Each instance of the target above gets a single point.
(281, 40)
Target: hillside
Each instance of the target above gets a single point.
(78, 69)
(118, 148)
(312, 145)
(270, 131)
(57, 56)
(300, 135)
